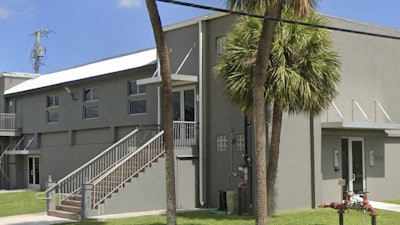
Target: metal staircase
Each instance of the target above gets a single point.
(106, 173)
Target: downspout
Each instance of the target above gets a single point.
(312, 159)
(201, 115)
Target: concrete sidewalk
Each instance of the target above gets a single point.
(32, 219)
(385, 206)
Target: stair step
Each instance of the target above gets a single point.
(75, 203)
(69, 208)
(64, 214)
(76, 198)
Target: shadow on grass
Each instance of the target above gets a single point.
(213, 214)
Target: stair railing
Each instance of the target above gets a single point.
(127, 168)
(72, 183)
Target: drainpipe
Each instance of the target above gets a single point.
(312, 159)
(201, 114)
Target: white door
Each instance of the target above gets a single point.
(33, 172)
(354, 164)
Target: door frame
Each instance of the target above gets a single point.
(181, 89)
(350, 162)
(33, 185)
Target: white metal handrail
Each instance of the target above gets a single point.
(73, 182)
(185, 133)
(127, 168)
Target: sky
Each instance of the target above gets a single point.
(84, 31)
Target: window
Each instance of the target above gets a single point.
(90, 94)
(52, 116)
(91, 111)
(220, 42)
(135, 89)
(52, 112)
(222, 143)
(137, 106)
(90, 105)
(52, 101)
(240, 142)
(137, 103)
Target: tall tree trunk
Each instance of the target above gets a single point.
(274, 154)
(259, 78)
(167, 109)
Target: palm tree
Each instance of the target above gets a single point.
(167, 104)
(302, 74)
(272, 8)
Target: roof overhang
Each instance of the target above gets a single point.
(177, 80)
(360, 125)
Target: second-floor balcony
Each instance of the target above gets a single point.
(8, 125)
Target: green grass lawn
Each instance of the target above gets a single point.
(302, 217)
(17, 203)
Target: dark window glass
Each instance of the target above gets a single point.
(189, 105)
(91, 112)
(52, 116)
(135, 89)
(137, 106)
(90, 94)
(52, 101)
(177, 105)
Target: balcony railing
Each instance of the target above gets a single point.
(7, 121)
(185, 134)
(8, 125)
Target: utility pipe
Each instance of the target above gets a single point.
(201, 114)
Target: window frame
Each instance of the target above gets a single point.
(220, 44)
(85, 107)
(90, 100)
(136, 93)
(55, 101)
(240, 142)
(94, 94)
(134, 89)
(222, 143)
(52, 107)
(137, 100)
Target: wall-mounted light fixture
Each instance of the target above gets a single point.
(71, 93)
(371, 158)
(336, 160)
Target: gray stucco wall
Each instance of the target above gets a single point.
(71, 142)
(222, 119)
(145, 192)
(369, 72)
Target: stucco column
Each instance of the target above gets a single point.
(87, 191)
(51, 196)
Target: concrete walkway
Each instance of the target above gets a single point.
(32, 219)
(385, 206)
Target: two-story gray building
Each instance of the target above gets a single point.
(96, 129)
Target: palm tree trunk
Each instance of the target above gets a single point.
(259, 78)
(274, 154)
(167, 109)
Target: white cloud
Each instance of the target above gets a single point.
(127, 4)
(28, 12)
(4, 13)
